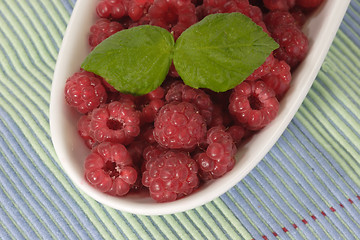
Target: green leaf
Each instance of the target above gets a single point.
(135, 60)
(221, 51)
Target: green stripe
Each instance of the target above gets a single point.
(40, 39)
(227, 219)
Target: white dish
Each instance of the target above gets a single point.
(321, 29)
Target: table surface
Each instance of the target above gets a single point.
(306, 187)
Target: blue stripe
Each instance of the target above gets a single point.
(235, 208)
(9, 210)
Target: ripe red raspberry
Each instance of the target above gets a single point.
(279, 4)
(287, 33)
(293, 43)
(264, 69)
(308, 3)
(253, 104)
(112, 9)
(84, 91)
(109, 169)
(115, 122)
(170, 175)
(276, 19)
(279, 78)
(102, 29)
(179, 125)
(237, 133)
(150, 110)
(183, 93)
(299, 15)
(83, 127)
(218, 158)
(173, 15)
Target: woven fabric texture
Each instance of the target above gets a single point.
(306, 187)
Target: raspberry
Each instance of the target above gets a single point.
(237, 133)
(84, 91)
(158, 93)
(102, 29)
(279, 78)
(218, 158)
(264, 69)
(253, 104)
(112, 9)
(279, 4)
(276, 19)
(83, 127)
(181, 92)
(299, 16)
(170, 175)
(308, 3)
(179, 125)
(149, 111)
(287, 33)
(293, 45)
(115, 122)
(109, 169)
(173, 15)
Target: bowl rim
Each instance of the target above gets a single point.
(319, 47)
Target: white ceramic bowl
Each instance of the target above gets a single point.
(320, 28)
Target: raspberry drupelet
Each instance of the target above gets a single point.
(218, 158)
(115, 122)
(84, 91)
(102, 29)
(109, 169)
(253, 104)
(179, 125)
(169, 174)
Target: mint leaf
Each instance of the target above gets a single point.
(221, 51)
(135, 60)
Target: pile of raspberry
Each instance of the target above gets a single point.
(171, 140)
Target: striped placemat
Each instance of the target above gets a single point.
(306, 187)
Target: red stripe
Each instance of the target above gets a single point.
(295, 226)
(275, 234)
(284, 229)
(332, 209)
(313, 217)
(324, 214)
(304, 221)
(351, 201)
